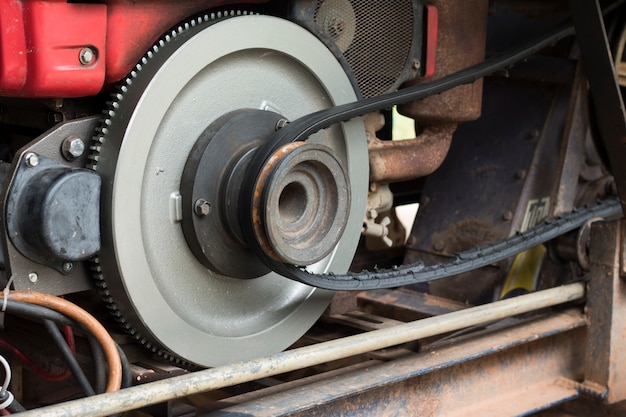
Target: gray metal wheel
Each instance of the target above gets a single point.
(152, 281)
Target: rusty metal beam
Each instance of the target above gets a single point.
(605, 362)
(507, 372)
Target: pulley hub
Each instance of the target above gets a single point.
(210, 186)
(300, 204)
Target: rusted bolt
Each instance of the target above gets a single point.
(202, 208)
(72, 148)
(32, 160)
(86, 56)
(439, 246)
(507, 216)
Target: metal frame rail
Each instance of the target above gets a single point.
(220, 377)
(511, 370)
(505, 371)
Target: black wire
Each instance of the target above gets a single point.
(99, 365)
(44, 313)
(39, 312)
(73, 364)
(15, 406)
(127, 376)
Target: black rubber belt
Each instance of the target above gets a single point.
(305, 126)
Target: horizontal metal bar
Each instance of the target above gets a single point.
(215, 378)
(505, 370)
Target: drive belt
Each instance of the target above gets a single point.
(302, 128)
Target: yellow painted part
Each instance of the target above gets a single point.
(525, 270)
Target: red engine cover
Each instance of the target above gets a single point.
(51, 48)
(41, 46)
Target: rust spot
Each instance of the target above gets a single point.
(467, 234)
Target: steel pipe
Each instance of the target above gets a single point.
(237, 373)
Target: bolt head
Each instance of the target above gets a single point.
(68, 266)
(33, 277)
(86, 56)
(72, 148)
(202, 208)
(281, 123)
(32, 160)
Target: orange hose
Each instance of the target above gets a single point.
(79, 315)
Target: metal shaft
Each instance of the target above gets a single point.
(237, 373)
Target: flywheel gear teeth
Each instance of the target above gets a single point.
(122, 289)
(100, 138)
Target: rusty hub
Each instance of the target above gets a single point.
(301, 203)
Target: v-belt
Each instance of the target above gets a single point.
(302, 128)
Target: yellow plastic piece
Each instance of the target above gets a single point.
(524, 273)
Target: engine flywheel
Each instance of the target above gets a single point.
(173, 268)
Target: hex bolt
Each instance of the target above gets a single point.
(33, 277)
(416, 65)
(67, 267)
(32, 160)
(86, 56)
(202, 208)
(72, 148)
(281, 123)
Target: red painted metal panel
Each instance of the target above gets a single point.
(53, 34)
(12, 46)
(41, 41)
(135, 26)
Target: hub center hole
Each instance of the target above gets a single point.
(292, 203)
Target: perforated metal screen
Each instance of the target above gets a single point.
(375, 37)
